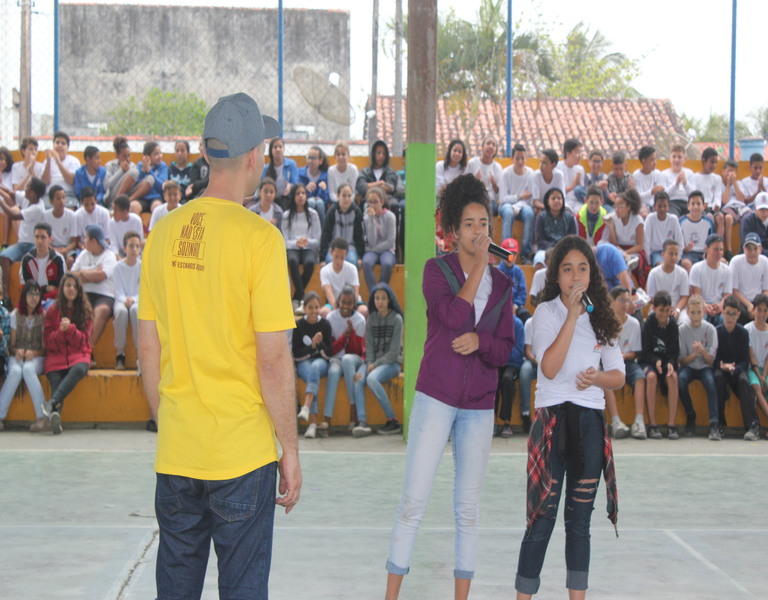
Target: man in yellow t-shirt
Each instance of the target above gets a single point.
(217, 370)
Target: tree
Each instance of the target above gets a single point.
(159, 113)
(715, 129)
(759, 120)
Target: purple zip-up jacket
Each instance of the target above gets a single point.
(463, 381)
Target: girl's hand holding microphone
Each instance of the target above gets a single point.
(574, 300)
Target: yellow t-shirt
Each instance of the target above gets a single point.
(212, 274)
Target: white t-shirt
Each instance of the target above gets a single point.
(513, 185)
(99, 216)
(645, 183)
(568, 174)
(541, 187)
(160, 211)
(116, 230)
(347, 276)
(537, 283)
(714, 283)
(528, 332)
(677, 191)
(750, 280)
(336, 178)
(711, 186)
(85, 261)
(630, 339)
(482, 294)
(33, 214)
(696, 231)
(339, 326)
(444, 176)
(675, 283)
(18, 172)
(71, 164)
(63, 228)
(476, 166)
(125, 279)
(758, 341)
(749, 185)
(657, 232)
(583, 353)
(5, 179)
(626, 235)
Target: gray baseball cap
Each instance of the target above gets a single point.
(237, 122)
(95, 232)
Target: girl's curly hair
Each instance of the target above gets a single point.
(464, 190)
(81, 312)
(603, 320)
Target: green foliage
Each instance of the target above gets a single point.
(158, 113)
(759, 120)
(714, 129)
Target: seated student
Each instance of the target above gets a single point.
(6, 166)
(508, 374)
(344, 220)
(59, 168)
(282, 170)
(487, 170)
(63, 225)
(546, 178)
(619, 180)
(172, 198)
(756, 221)
(301, 230)
(677, 182)
(554, 222)
(91, 174)
(43, 265)
(337, 274)
(93, 268)
(732, 363)
(122, 221)
(311, 351)
(198, 176)
(659, 227)
(380, 174)
(32, 214)
(314, 177)
(347, 352)
(380, 231)
(712, 279)
(648, 180)
(755, 183)
(573, 174)
(125, 279)
(383, 357)
(343, 172)
(696, 227)
(630, 345)
(528, 372)
(515, 273)
(147, 192)
(626, 230)
(121, 172)
(750, 276)
(733, 206)
(590, 217)
(597, 178)
(711, 185)
(672, 278)
(661, 349)
(540, 264)
(453, 165)
(180, 170)
(90, 213)
(698, 344)
(26, 355)
(26, 169)
(265, 204)
(68, 350)
(758, 351)
(515, 195)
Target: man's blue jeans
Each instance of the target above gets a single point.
(507, 212)
(237, 514)
(706, 375)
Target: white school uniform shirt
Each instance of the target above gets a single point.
(537, 283)
(513, 185)
(677, 191)
(116, 230)
(583, 353)
(528, 332)
(758, 341)
(483, 172)
(696, 231)
(750, 280)
(19, 172)
(444, 176)
(541, 187)
(568, 174)
(675, 283)
(749, 185)
(99, 216)
(125, 279)
(85, 260)
(336, 178)
(626, 235)
(645, 183)
(714, 283)
(71, 164)
(162, 209)
(630, 339)
(657, 232)
(33, 214)
(347, 276)
(711, 186)
(63, 228)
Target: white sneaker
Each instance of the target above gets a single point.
(638, 431)
(311, 431)
(361, 429)
(619, 430)
(351, 426)
(304, 414)
(632, 263)
(323, 429)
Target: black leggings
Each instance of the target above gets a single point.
(64, 381)
(301, 280)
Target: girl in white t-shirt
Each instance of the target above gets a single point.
(625, 230)
(569, 437)
(454, 164)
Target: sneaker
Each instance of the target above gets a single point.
(653, 432)
(120, 362)
(41, 424)
(506, 431)
(299, 310)
(351, 426)
(392, 426)
(753, 434)
(323, 429)
(526, 424)
(151, 426)
(496, 430)
(304, 414)
(55, 422)
(637, 431)
(714, 433)
(93, 361)
(361, 429)
(619, 430)
(721, 429)
(311, 431)
(690, 425)
(672, 433)
(295, 304)
(632, 263)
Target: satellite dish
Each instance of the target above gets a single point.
(323, 96)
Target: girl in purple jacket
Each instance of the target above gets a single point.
(470, 333)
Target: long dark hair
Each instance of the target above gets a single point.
(548, 193)
(30, 285)
(603, 320)
(81, 312)
(271, 172)
(8, 159)
(394, 305)
(463, 161)
(292, 205)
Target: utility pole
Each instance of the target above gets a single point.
(25, 85)
(397, 130)
(374, 75)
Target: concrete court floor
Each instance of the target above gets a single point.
(77, 521)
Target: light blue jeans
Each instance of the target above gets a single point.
(470, 431)
(312, 371)
(347, 366)
(379, 375)
(507, 212)
(351, 256)
(30, 371)
(319, 205)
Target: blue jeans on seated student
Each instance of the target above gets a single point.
(370, 258)
(30, 371)
(312, 371)
(64, 381)
(706, 375)
(15, 252)
(579, 502)
(319, 205)
(351, 255)
(526, 215)
(655, 258)
(717, 320)
(374, 380)
(237, 514)
(431, 424)
(346, 366)
(525, 379)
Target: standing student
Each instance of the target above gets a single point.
(469, 336)
(568, 437)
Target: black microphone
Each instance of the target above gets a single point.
(587, 303)
(497, 250)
